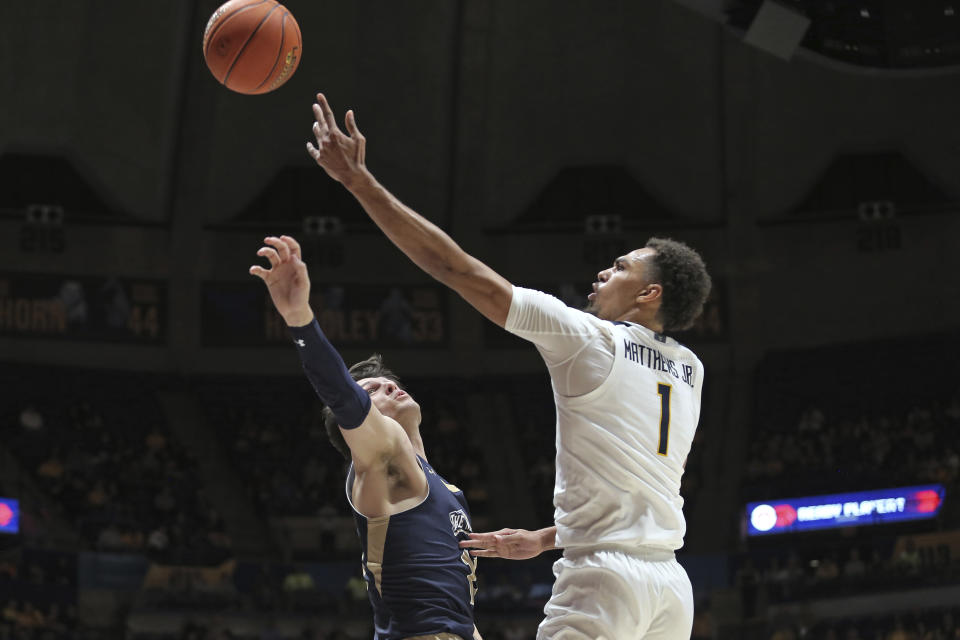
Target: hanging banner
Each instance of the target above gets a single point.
(241, 314)
(88, 308)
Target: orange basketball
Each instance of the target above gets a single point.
(252, 46)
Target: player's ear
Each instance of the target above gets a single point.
(649, 293)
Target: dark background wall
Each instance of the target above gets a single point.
(472, 110)
(547, 137)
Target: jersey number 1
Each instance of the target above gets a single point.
(663, 390)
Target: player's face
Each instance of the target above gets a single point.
(617, 287)
(391, 400)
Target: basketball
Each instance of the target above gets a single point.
(252, 46)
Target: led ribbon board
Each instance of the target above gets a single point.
(844, 509)
(9, 516)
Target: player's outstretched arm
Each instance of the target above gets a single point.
(511, 544)
(343, 157)
(372, 438)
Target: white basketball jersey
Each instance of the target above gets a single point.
(621, 448)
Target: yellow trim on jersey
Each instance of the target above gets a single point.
(471, 563)
(376, 541)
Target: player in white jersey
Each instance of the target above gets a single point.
(628, 402)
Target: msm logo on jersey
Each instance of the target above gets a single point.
(460, 522)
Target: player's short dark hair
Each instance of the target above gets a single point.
(372, 367)
(686, 283)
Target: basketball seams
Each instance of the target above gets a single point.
(247, 41)
(208, 36)
(273, 68)
(238, 45)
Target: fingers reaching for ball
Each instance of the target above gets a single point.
(351, 121)
(281, 246)
(294, 246)
(354, 132)
(270, 254)
(342, 155)
(321, 131)
(277, 250)
(287, 279)
(325, 112)
(260, 272)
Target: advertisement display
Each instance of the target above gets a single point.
(844, 509)
(9, 515)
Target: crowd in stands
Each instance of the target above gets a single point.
(202, 630)
(833, 566)
(326, 600)
(855, 417)
(274, 432)
(534, 415)
(924, 624)
(100, 449)
(38, 595)
(821, 453)
(825, 429)
(274, 436)
(330, 587)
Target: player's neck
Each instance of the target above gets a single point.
(414, 434)
(644, 318)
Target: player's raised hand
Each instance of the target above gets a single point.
(342, 156)
(286, 279)
(512, 544)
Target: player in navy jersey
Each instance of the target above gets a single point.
(410, 520)
(627, 399)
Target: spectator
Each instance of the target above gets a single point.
(854, 567)
(908, 560)
(52, 468)
(702, 622)
(164, 501)
(158, 540)
(899, 633)
(105, 455)
(110, 539)
(356, 591)
(748, 581)
(827, 569)
(31, 419)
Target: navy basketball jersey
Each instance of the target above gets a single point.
(418, 578)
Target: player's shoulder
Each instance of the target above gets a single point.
(687, 354)
(525, 297)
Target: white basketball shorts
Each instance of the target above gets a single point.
(613, 595)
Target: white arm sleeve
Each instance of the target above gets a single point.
(577, 347)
